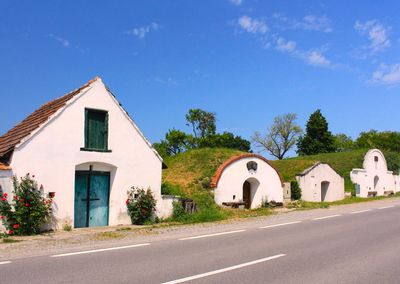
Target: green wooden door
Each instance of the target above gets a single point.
(81, 190)
(93, 211)
(98, 209)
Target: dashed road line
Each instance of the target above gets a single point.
(99, 250)
(211, 235)
(386, 207)
(190, 278)
(361, 211)
(279, 225)
(326, 217)
(5, 262)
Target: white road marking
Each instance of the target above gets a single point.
(326, 217)
(386, 207)
(278, 225)
(223, 270)
(361, 211)
(5, 262)
(99, 250)
(211, 235)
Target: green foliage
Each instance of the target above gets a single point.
(342, 162)
(178, 212)
(67, 227)
(295, 190)
(386, 140)
(28, 211)
(141, 205)
(203, 123)
(280, 137)
(318, 139)
(170, 189)
(343, 143)
(224, 140)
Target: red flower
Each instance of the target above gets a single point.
(16, 197)
(16, 226)
(2, 217)
(127, 202)
(5, 195)
(27, 205)
(10, 232)
(22, 200)
(3, 199)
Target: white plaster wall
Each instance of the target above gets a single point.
(166, 209)
(53, 155)
(6, 181)
(233, 177)
(364, 178)
(310, 184)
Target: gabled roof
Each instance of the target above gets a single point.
(14, 136)
(220, 170)
(39, 118)
(306, 171)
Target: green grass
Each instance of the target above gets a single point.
(189, 175)
(342, 162)
(9, 240)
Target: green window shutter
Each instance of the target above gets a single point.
(96, 129)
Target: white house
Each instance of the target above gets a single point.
(321, 182)
(374, 179)
(85, 148)
(248, 179)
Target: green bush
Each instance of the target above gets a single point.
(141, 205)
(178, 212)
(28, 211)
(295, 190)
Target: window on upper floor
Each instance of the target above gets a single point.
(96, 130)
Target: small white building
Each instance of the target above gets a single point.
(374, 179)
(248, 179)
(84, 147)
(321, 182)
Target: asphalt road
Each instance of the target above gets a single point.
(353, 247)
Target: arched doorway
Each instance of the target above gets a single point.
(324, 190)
(376, 183)
(250, 187)
(247, 194)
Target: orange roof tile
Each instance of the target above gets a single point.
(14, 136)
(221, 168)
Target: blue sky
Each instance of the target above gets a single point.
(246, 60)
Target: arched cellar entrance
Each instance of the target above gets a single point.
(250, 187)
(324, 190)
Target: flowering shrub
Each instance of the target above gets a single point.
(28, 211)
(141, 205)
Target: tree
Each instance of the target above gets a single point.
(386, 140)
(318, 139)
(280, 137)
(203, 123)
(175, 142)
(343, 142)
(225, 140)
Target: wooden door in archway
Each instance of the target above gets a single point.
(247, 195)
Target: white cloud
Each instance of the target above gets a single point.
(387, 74)
(309, 22)
(285, 45)
(141, 32)
(63, 41)
(167, 81)
(236, 2)
(254, 26)
(377, 34)
(316, 58)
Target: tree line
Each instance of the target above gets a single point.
(282, 136)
